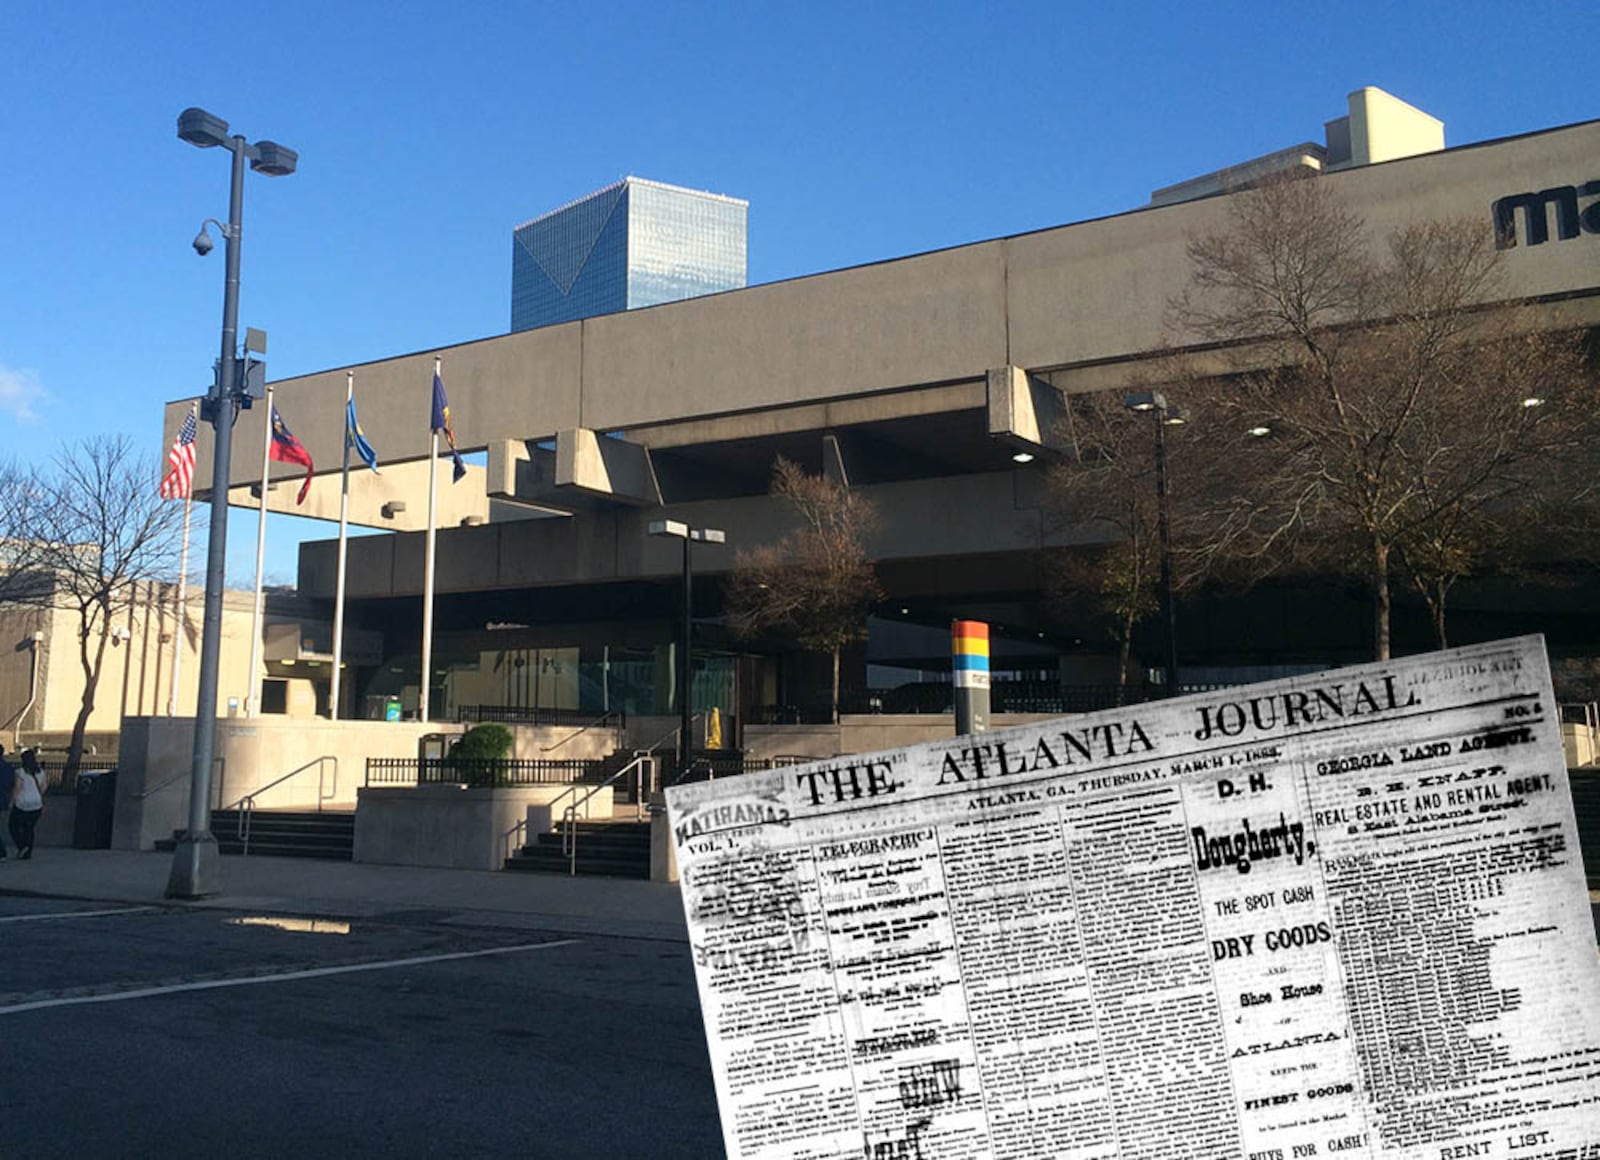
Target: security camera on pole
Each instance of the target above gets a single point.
(195, 862)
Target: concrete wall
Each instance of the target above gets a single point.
(259, 751)
(443, 825)
(561, 743)
(863, 733)
(155, 760)
(153, 776)
(54, 827)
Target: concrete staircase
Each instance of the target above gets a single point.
(605, 849)
(326, 834)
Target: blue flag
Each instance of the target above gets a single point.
(441, 422)
(355, 437)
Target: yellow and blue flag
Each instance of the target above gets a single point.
(441, 422)
(356, 438)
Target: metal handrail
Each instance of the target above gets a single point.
(247, 804)
(598, 721)
(515, 838)
(177, 777)
(670, 733)
(569, 816)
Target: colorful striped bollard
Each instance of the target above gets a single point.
(969, 671)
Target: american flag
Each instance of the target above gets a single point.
(175, 484)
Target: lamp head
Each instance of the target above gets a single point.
(273, 159)
(202, 129)
(202, 242)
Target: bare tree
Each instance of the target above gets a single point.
(816, 585)
(25, 496)
(1105, 490)
(93, 528)
(1404, 414)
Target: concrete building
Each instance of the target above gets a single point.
(1378, 127)
(634, 243)
(42, 681)
(914, 379)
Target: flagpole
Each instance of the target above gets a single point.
(344, 530)
(261, 551)
(427, 558)
(183, 603)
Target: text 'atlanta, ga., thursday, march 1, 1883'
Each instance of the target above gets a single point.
(1336, 916)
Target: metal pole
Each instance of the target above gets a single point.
(183, 605)
(1169, 615)
(423, 707)
(195, 862)
(685, 669)
(253, 675)
(344, 546)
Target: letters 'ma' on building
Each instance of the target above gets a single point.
(1571, 217)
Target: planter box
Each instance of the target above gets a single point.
(448, 826)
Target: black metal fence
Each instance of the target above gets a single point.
(704, 767)
(55, 770)
(529, 715)
(480, 773)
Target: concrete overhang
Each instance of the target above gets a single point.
(584, 471)
(396, 499)
(308, 641)
(1024, 412)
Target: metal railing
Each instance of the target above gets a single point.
(514, 839)
(219, 766)
(480, 773)
(55, 769)
(246, 806)
(522, 715)
(642, 766)
(616, 717)
(670, 736)
(814, 713)
(706, 767)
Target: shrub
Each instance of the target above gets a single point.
(477, 756)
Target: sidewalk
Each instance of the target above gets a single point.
(304, 886)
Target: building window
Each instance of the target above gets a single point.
(274, 696)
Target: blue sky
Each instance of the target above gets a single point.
(426, 131)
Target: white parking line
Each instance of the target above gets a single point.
(287, 976)
(75, 914)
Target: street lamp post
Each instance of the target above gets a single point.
(689, 536)
(1165, 415)
(194, 861)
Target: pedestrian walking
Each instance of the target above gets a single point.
(8, 787)
(27, 803)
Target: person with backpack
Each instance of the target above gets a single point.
(27, 802)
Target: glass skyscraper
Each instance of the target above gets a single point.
(635, 243)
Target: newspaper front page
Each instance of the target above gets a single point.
(1336, 916)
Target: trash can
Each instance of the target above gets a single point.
(97, 799)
